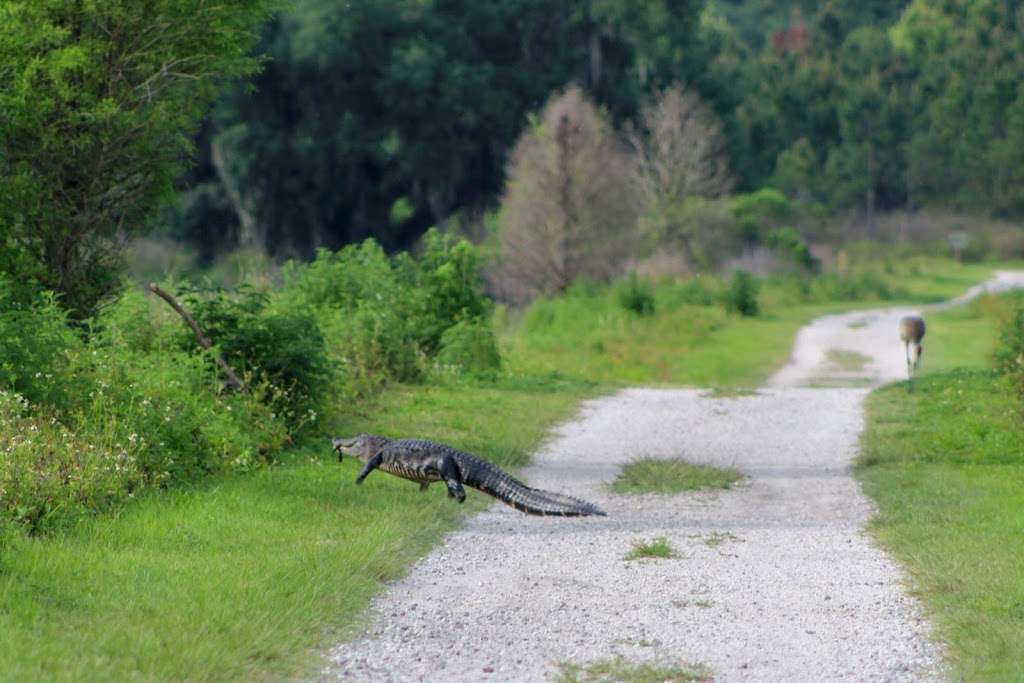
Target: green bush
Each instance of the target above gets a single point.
(368, 307)
(51, 475)
(284, 351)
(35, 341)
(343, 279)
(1009, 354)
(788, 244)
(135, 420)
(449, 285)
(469, 347)
(383, 317)
(741, 296)
(373, 344)
(635, 295)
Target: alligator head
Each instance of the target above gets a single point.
(364, 446)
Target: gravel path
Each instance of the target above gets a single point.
(775, 580)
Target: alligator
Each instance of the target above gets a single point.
(426, 462)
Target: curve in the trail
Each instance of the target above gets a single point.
(775, 579)
(826, 352)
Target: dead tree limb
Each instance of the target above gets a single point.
(233, 379)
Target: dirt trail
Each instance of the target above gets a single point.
(775, 579)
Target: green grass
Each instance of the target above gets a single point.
(672, 475)
(657, 548)
(591, 336)
(238, 579)
(619, 670)
(946, 467)
(246, 577)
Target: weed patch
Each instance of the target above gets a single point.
(668, 476)
(619, 670)
(658, 548)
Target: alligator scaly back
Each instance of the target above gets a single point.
(493, 481)
(426, 462)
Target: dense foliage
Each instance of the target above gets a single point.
(1009, 354)
(382, 118)
(87, 420)
(98, 105)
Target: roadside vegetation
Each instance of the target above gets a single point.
(946, 467)
(296, 549)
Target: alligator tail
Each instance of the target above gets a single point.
(485, 477)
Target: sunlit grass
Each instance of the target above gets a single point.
(945, 465)
(672, 475)
(241, 577)
(657, 548)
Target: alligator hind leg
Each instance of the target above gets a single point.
(449, 472)
(424, 485)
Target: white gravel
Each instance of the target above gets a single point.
(776, 580)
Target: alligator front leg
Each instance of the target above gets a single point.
(449, 472)
(370, 465)
(424, 485)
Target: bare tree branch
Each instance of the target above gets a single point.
(233, 379)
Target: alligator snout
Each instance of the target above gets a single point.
(341, 445)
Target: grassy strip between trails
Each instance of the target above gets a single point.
(667, 476)
(946, 467)
(619, 670)
(239, 578)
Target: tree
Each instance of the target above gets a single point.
(369, 105)
(98, 105)
(569, 208)
(681, 159)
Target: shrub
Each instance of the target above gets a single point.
(342, 279)
(469, 347)
(741, 296)
(380, 316)
(1009, 354)
(635, 295)
(35, 341)
(788, 244)
(50, 474)
(448, 281)
(373, 345)
(284, 351)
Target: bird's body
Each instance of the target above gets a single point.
(912, 329)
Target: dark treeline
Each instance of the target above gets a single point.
(384, 117)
